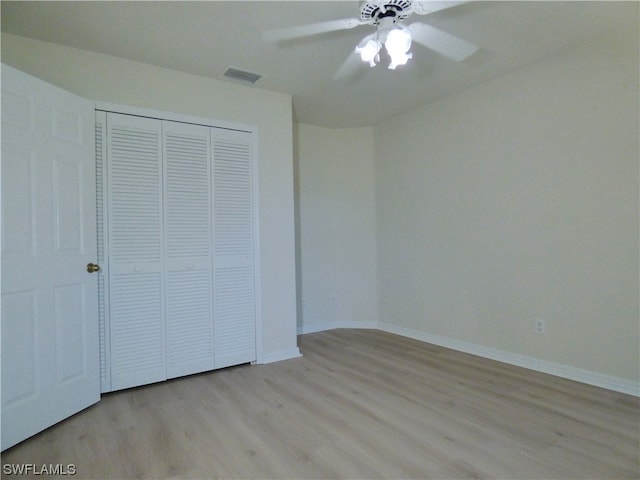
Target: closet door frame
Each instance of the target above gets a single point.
(101, 107)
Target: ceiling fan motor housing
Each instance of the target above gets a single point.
(373, 11)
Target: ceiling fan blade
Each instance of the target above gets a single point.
(351, 64)
(426, 7)
(298, 31)
(444, 43)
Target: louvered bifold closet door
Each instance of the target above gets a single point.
(234, 288)
(137, 338)
(101, 228)
(189, 314)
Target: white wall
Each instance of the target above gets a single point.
(517, 200)
(110, 79)
(462, 221)
(336, 231)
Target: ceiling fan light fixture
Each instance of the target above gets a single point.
(397, 44)
(387, 17)
(399, 59)
(369, 52)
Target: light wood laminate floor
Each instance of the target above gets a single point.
(358, 404)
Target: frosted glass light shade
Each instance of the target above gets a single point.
(397, 44)
(369, 52)
(398, 59)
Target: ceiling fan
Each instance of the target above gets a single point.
(387, 17)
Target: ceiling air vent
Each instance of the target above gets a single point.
(236, 75)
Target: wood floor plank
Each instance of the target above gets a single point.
(358, 404)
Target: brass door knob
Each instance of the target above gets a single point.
(92, 267)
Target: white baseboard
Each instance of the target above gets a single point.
(557, 369)
(544, 366)
(315, 327)
(321, 327)
(279, 356)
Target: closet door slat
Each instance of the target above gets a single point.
(102, 251)
(188, 231)
(233, 233)
(137, 331)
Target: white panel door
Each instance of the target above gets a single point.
(49, 300)
(187, 195)
(234, 289)
(136, 291)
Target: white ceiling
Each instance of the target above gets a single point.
(205, 37)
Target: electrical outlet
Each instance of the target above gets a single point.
(303, 302)
(333, 299)
(540, 326)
